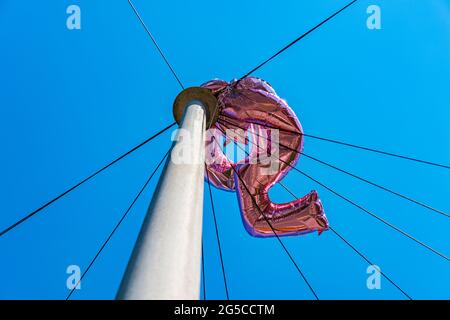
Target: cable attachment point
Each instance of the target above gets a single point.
(205, 96)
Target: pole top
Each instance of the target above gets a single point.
(200, 94)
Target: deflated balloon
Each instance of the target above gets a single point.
(251, 106)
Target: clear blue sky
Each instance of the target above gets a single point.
(73, 100)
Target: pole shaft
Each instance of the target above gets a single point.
(166, 260)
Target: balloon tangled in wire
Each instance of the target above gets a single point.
(250, 105)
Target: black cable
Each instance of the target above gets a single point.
(277, 236)
(363, 209)
(296, 40)
(377, 185)
(373, 215)
(354, 249)
(362, 179)
(28, 216)
(203, 273)
(217, 235)
(273, 230)
(370, 263)
(379, 151)
(349, 145)
(118, 224)
(155, 43)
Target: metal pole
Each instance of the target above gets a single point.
(166, 260)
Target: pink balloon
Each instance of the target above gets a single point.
(252, 105)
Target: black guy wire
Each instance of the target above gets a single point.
(370, 263)
(118, 223)
(378, 186)
(379, 151)
(28, 216)
(365, 210)
(351, 145)
(363, 179)
(298, 39)
(350, 245)
(373, 215)
(203, 273)
(354, 249)
(274, 232)
(217, 235)
(155, 43)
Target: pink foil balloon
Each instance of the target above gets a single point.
(252, 104)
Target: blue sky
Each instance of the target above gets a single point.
(73, 100)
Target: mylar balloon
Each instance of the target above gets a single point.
(251, 106)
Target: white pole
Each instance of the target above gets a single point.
(166, 260)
